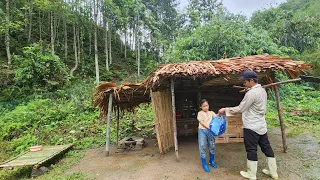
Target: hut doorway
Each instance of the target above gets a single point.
(189, 93)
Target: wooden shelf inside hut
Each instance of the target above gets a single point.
(186, 110)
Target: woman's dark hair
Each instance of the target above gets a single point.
(203, 101)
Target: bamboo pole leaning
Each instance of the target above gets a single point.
(283, 130)
(269, 85)
(174, 119)
(118, 121)
(108, 125)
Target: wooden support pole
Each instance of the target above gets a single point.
(108, 125)
(118, 121)
(283, 131)
(174, 119)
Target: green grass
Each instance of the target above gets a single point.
(300, 109)
(63, 117)
(57, 171)
(16, 173)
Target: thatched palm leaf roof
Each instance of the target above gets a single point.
(128, 95)
(203, 69)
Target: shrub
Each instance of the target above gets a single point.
(38, 70)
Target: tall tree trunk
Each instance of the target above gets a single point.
(7, 38)
(138, 57)
(30, 19)
(75, 50)
(145, 35)
(125, 43)
(65, 38)
(131, 38)
(110, 55)
(52, 32)
(56, 25)
(40, 30)
(138, 45)
(106, 43)
(135, 43)
(95, 41)
(78, 39)
(152, 51)
(121, 43)
(90, 39)
(83, 52)
(90, 28)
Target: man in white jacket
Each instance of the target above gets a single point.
(253, 108)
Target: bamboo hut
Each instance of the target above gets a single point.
(176, 89)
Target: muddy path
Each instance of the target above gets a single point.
(301, 162)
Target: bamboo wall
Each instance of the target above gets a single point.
(162, 109)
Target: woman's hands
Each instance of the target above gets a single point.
(221, 111)
(204, 124)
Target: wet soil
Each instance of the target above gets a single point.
(302, 161)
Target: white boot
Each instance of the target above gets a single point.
(252, 170)
(272, 168)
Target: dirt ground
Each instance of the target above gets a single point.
(301, 162)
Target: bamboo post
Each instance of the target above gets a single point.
(118, 120)
(174, 119)
(283, 131)
(108, 125)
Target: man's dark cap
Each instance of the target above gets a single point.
(248, 75)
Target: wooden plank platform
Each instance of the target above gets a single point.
(32, 158)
